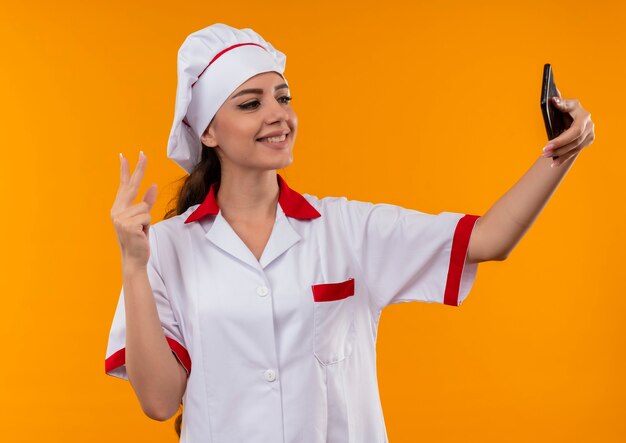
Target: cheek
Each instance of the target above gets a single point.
(243, 130)
(293, 120)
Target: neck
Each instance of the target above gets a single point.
(247, 197)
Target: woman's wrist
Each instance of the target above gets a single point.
(130, 269)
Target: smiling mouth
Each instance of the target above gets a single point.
(276, 139)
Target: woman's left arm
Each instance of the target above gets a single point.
(503, 226)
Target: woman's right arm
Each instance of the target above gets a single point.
(155, 374)
(157, 377)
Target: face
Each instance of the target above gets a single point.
(255, 128)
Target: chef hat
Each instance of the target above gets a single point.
(212, 63)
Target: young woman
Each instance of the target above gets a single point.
(274, 296)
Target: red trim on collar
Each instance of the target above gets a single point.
(293, 204)
(207, 207)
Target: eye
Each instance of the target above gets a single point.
(285, 99)
(249, 105)
(253, 104)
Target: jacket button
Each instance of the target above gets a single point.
(262, 291)
(270, 375)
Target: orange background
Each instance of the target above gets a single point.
(432, 106)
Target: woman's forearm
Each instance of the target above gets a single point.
(503, 226)
(505, 223)
(157, 378)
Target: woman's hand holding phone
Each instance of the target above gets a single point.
(568, 124)
(132, 222)
(579, 135)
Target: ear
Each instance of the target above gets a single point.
(208, 138)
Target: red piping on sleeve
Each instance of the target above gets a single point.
(181, 354)
(118, 358)
(115, 360)
(460, 243)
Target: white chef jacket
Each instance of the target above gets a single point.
(283, 349)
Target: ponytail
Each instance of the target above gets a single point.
(197, 184)
(178, 423)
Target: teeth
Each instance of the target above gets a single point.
(278, 139)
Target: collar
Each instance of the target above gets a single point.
(293, 204)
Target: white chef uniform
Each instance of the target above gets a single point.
(283, 349)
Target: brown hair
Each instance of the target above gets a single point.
(197, 184)
(178, 423)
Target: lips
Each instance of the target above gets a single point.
(274, 139)
(276, 142)
(273, 134)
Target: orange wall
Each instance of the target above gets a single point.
(433, 106)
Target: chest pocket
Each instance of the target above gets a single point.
(334, 320)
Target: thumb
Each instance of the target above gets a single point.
(150, 195)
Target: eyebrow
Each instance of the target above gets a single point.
(258, 91)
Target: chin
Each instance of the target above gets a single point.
(282, 162)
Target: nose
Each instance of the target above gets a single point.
(276, 112)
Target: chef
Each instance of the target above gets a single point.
(257, 306)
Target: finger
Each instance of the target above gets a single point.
(150, 196)
(568, 147)
(137, 222)
(122, 200)
(139, 208)
(557, 91)
(587, 141)
(138, 173)
(123, 170)
(577, 130)
(128, 192)
(592, 133)
(562, 159)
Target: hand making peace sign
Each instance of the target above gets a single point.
(132, 222)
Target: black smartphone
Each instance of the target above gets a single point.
(556, 121)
